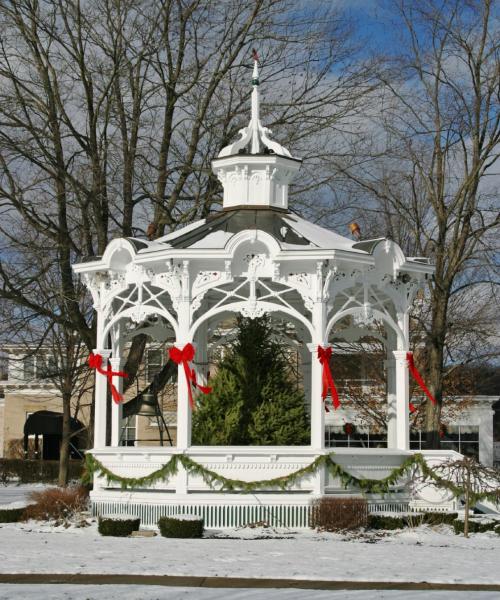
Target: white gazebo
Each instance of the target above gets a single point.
(255, 256)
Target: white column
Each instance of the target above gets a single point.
(402, 400)
(390, 365)
(317, 404)
(183, 409)
(183, 337)
(101, 390)
(391, 402)
(317, 416)
(486, 440)
(116, 409)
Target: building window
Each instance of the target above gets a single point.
(154, 363)
(41, 366)
(29, 368)
(462, 438)
(46, 367)
(129, 431)
(362, 438)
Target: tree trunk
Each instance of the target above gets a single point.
(435, 360)
(66, 435)
(467, 503)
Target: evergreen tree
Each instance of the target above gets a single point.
(253, 399)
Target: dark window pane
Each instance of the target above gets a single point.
(470, 449)
(154, 363)
(447, 444)
(29, 368)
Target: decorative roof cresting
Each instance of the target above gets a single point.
(255, 135)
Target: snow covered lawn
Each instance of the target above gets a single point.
(19, 493)
(422, 554)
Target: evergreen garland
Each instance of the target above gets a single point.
(220, 483)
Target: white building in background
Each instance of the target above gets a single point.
(470, 432)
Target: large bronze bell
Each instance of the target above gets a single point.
(148, 406)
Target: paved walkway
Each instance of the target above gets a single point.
(237, 582)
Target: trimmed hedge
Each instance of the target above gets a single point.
(439, 518)
(476, 526)
(12, 515)
(33, 471)
(117, 525)
(425, 518)
(386, 522)
(181, 526)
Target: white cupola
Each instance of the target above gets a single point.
(254, 170)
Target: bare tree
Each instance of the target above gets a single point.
(424, 172)
(466, 479)
(110, 112)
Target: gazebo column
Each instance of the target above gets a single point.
(402, 400)
(116, 409)
(183, 408)
(317, 404)
(101, 392)
(391, 402)
(390, 366)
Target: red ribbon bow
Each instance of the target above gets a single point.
(418, 378)
(185, 356)
(95, 362)
(324, 355)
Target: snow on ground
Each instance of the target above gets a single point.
(140, 592)
(19, 493)
(423, 554)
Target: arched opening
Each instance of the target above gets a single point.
(364, 338)
(147, 416)
(360, 369)
(259, 371)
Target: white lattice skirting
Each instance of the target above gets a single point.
(230, 515)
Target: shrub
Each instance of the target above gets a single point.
(181, 526)
(34, 471)
(336, 514)
(497, 529)
(475, 526)
(118, 525)
(57, 503)
(386, 522)
(12, 515)
(439, 518)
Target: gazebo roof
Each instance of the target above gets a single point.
(255, 173)
(291, 231)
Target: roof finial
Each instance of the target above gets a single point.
(255, 123)
(255, 74)
(254, 135)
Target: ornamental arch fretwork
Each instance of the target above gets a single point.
(257, 310)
